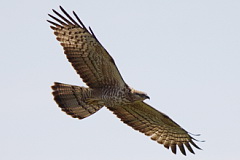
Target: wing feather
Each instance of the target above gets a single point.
(88, 57)
(160, 127)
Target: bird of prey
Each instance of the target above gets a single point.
(106, 87)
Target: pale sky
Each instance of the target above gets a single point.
(184, 54)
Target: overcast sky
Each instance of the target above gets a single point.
(184, 54)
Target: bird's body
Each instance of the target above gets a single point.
(106, 87)
(115, 96)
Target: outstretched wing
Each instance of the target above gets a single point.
(88, 57)
(159, 126)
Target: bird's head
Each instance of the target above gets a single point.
(138, 95)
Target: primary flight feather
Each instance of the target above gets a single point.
(106, 87)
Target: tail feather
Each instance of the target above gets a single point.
(73, 100)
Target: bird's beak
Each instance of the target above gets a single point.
(147, 97)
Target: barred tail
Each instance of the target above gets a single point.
(74, 100)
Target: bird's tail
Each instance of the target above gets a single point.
(74, 100)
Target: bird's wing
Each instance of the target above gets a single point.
(160, 127)
(88, 57)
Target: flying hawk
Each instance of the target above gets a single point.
(106, 87)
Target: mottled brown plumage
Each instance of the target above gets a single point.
(107, 87)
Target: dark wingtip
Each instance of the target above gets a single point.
(55, 84)
(195, 145)
(189, 147)
(181, 147)
(174, 149)
(54, 10)
(62, 9)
